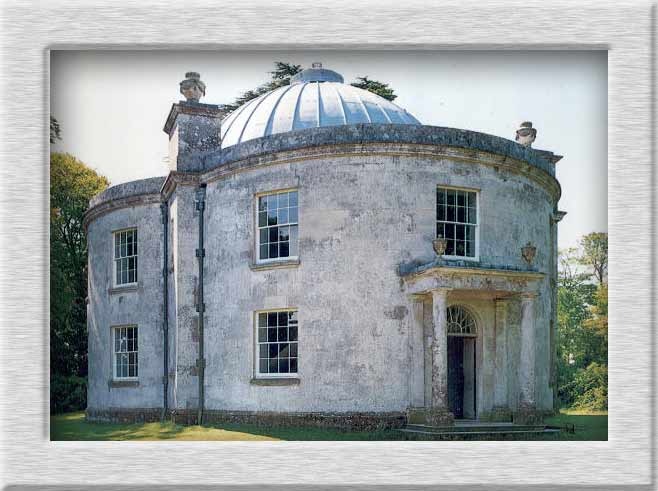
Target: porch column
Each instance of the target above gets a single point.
(441, 414)
(527, 408)
(417, 353)
(501, 406)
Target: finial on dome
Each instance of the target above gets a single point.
(192, 87)
(526, 134)
(316, 74)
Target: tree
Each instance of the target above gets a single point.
(72, 185)
(55, 130)
(282, 74)
(595, 254)
(582, 342)
(379, 88)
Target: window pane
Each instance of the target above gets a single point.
(273, 350)
(450, 231)
(293, 365)
(283, 200)
(262, 203)
(262, 219)
(262, 320)
(264, 249)
(461, 214)
(440, 230)
(263, 236)
(292, 333)
(284, 249)
(292, 215)
(271, 217)
(284, 366)
(271, 334)
(274, 366)
(283, 318)
(292, 197)
(284, 350)
(441, 196)
(262, 352)
(274, 251)
(283, 334)
(450, 248)
(461, 198)
(460, 232)
(271, 319)
(262, 335)
(274, 234)
(470, 248)
(450, 214)
(263, 366)
(293, 249)
(284, 233)
(293, 350)
(282, 215)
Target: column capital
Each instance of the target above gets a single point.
(439, 292)
(502, 301)
(528, 296)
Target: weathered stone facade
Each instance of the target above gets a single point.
(370, 293)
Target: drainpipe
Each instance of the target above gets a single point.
(164, 208)
(200, 203)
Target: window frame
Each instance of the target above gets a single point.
(257, 229)
(256, 346)
(476, 225)
(115, 284)
(114, 331)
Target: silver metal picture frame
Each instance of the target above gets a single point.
(626, 30)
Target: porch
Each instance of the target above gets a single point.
(460, 341)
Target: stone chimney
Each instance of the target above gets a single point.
(193, 127)
(526, 134)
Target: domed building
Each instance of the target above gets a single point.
(319, 256)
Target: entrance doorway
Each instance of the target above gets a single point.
(461, 363)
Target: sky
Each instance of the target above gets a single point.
(112, 105)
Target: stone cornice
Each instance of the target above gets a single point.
(548, 182)
(427, 278)
(191, 108)
(175, 178)
(118, 203)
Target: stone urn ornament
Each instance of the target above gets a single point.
(528, 252)
(440, 244)
(526, 134)
(192, 87)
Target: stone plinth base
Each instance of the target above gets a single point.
(528, 415)
(497, 415)
(348, 421)
(430, 416)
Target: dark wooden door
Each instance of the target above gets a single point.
(456, 375)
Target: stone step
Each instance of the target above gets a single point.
(476, 427)
(500, 432)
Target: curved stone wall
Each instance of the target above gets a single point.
(366, 209)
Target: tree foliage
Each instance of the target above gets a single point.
(376, 87)
(284, 71)
(583, 324)
(72, 184)
(55, 130)
(595, 254)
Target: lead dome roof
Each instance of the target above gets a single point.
(316, 97)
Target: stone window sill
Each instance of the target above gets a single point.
(117, 290)
(115, 384)
(291, 263)
(275, 382)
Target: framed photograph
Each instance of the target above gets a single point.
(272, 245)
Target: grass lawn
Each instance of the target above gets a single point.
(72, 426)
